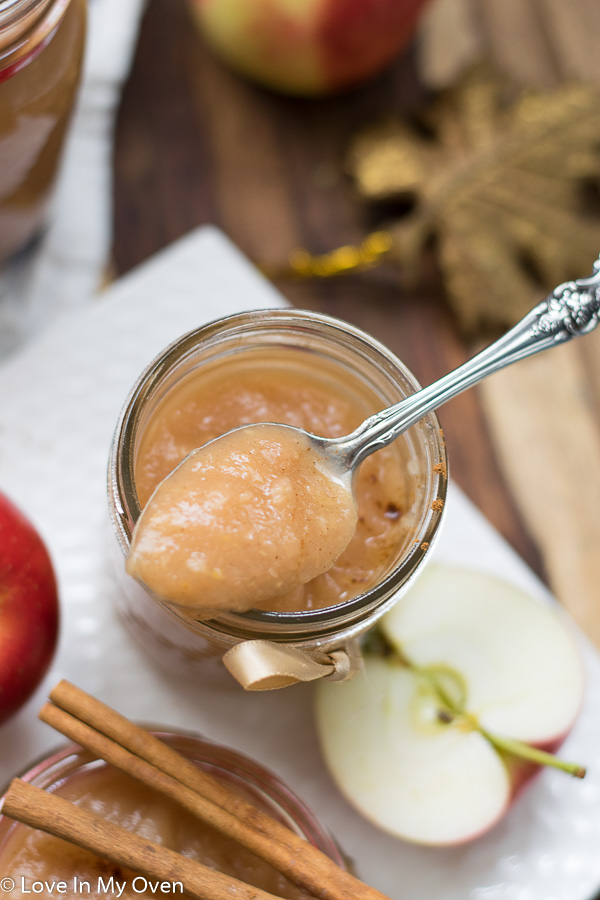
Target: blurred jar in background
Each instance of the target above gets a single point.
(41, 51)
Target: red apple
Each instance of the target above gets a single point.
(418, 740)
(308, 47)
(28, 609)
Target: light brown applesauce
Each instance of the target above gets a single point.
(30, 856)
(312, 394)
(41, 56)
(242, 520)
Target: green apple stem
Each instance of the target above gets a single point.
(452, 712)
(532, 754)
(516, 748)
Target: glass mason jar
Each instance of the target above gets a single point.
(69, 766)
(41, 51)
(261, 648)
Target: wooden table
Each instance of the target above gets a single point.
(195, 144)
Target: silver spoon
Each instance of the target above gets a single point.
(572, 309)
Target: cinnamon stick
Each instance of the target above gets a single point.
(101, 729)
(57, 816)
(215, 816)
(103, 718)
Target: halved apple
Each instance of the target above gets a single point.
(466, 666)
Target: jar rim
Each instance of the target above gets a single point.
(58, 765)
(275, 625)
(26, 26)
(17, 8)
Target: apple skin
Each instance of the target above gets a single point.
(29, 609)
(308, 47)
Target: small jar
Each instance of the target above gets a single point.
(41, 51)
(287, 641)
(75, 773)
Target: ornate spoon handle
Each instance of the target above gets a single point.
(573, 308)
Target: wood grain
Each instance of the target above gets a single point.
(544, 415)
(538, 43)
(544, 423)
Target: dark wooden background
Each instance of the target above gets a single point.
(195, 144)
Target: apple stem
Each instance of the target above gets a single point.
(532, 754)
(452, 714)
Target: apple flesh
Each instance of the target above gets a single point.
(307, 47)
(410, 740)
(29, 611)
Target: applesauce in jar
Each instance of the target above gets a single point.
(313, 396)
(29, 856)
(306, 369)
(41, 51)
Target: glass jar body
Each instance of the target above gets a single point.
(41, 52)
(76, 773)
(175, 637)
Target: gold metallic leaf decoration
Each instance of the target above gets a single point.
(500, 187)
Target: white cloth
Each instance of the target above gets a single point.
(67, 270)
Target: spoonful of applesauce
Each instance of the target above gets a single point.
(268, 507)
